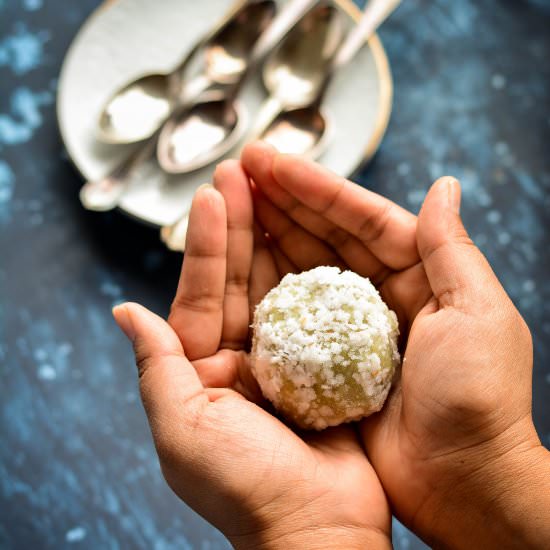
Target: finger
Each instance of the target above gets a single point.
(458, 273)
(284, 265)
(231, 181)
(406, 292)
(172, 393)
(258, 160)
(229, 369)
(386, 229)
(197, 310)
(302, 248)
(264, 274)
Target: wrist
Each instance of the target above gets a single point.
(504, 503)
(314, 538)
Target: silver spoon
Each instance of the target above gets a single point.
(306, 129)
(134, 112)
(104, 194)
(294, 72)
(201, 133)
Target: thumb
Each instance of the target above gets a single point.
(172, 394)
(458, 273)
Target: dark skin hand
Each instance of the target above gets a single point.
(455, 446)
(235, 463)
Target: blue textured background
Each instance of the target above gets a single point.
(77, 464)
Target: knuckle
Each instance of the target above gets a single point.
(143, 359)
(237, 283)
(334, 199)
(374, 226)
(200, 303)
(337, 237)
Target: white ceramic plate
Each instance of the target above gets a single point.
(125, 39)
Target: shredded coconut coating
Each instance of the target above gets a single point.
(324, 349)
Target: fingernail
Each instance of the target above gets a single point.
(454, 195)
(205, 186)
(123, 320)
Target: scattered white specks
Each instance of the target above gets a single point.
(530, 186)
(502, 149)
(34, 205)
(36, 219)
(480, 240)
(26, 116)
(416, 197)
(40, 354)
(32, 5)
(131, 397)
(7, 181)
(504, 238)
(46, 372)
(65, 349)
(403, 169)
(107, 429)
(75, 534)
(498, 82)
(529, 285)
(494, 216)
(436, 170)
(509, 161)
(142, 453)
(110, 289)
(23, 50)
(484, 198)
(401, 535)
(472, 188)
(529, 252)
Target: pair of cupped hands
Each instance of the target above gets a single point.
(453, 454)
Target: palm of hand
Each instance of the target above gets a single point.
(439, 419)
(439, 415)
(267, 470)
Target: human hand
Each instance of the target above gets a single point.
(455, 446)
(237, 465)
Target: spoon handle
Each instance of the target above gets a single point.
(375, 13)
(293, 11)
(193, 90)
(104, 194)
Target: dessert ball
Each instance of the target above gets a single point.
(324, 348)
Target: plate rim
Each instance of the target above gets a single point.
(374, 43)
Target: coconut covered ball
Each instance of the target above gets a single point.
(324, 348)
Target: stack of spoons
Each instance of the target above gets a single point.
(191, 121)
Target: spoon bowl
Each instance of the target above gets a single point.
(293, 73)
(191, 138)
(149, 96)
(302, 131)
(306, 130)
(136, 111)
